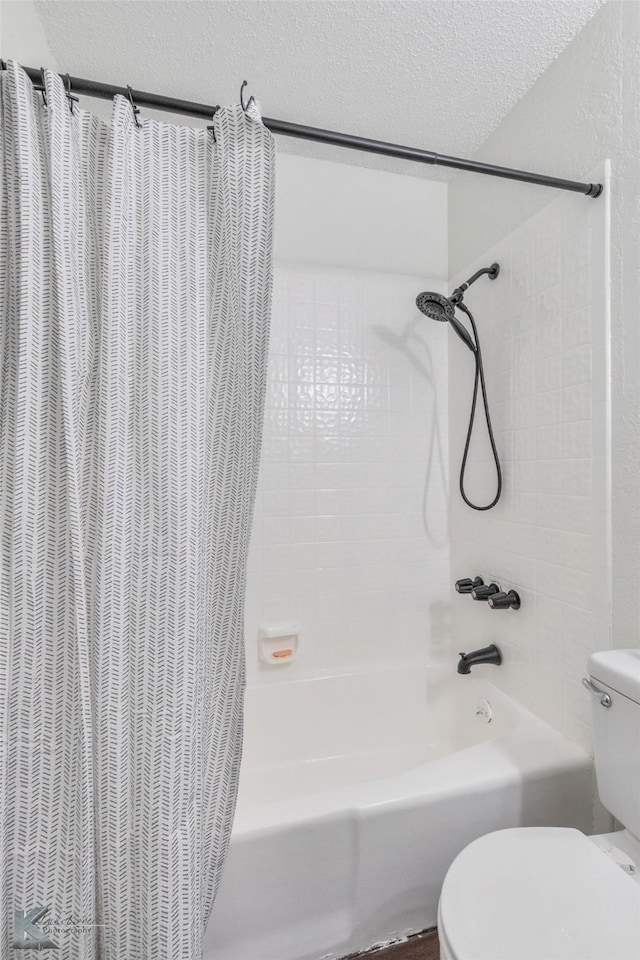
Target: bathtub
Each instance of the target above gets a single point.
(358, 790)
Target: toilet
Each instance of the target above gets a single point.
(552, 893)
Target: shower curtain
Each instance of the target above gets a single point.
(135, 288)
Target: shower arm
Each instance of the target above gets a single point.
(492, 272)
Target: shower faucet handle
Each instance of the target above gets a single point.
(505, 601)
(467, 585)
(485, 591)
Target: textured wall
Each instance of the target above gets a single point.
(22, 36)
(585, 108)
(350, 536)
(544, 330)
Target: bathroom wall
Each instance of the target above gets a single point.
(544, 327)
(584, 109)
(22, 35)
(350, 535)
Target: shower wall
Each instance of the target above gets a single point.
(583, 109)
(544, 326)
(350, 536)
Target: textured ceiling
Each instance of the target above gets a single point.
(438, 74)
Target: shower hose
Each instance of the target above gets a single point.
(479, 381)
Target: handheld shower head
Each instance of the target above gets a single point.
(437, 307)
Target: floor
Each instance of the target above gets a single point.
(422, 946)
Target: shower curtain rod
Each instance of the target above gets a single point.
(106, 91)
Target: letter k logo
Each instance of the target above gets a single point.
(26, 936)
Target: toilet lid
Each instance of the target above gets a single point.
(539, 893)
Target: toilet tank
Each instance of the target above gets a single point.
(616, 733)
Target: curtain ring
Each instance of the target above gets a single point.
(135, 109)
(70, 96)
(212, 127)
(42, 88)
(245, 106)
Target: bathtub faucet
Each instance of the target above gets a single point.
(489, 654)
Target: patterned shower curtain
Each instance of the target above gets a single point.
(135, 288)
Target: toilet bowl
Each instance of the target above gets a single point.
(549, 893)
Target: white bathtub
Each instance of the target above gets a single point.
(357, 792)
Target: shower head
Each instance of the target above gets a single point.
(437, 307)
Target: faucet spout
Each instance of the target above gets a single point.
(490, 654)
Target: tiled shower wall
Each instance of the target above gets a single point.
(350, 536)
(544, 327)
